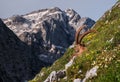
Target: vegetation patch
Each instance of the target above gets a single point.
(103, 50)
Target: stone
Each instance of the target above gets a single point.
(77, 80)
(69, 63)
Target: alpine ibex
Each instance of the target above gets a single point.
(79, 46)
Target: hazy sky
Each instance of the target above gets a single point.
(86, 8)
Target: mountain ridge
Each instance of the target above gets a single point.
(49, 31)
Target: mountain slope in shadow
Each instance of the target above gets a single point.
(17, 64)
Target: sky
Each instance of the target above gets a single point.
(93, 9)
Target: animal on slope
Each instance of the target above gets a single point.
(79, 46)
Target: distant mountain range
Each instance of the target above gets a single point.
(49, 32)
(38, 39)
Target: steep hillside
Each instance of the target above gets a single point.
(99, 63)
(17, 64)
(49, 31)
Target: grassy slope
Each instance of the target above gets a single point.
(103, 51)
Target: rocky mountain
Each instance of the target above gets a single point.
(100, 62)
(17, 64)
(49, 32)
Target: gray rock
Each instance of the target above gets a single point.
(70, 63)
(77, 80)
(55, 76)
(61, 74)
(52, 77)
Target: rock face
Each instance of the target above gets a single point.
(16, 62)
(55, 76)
(48, 31)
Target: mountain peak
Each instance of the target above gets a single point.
(73, 16)
(55, 9)
(70, 11)
(47, 27)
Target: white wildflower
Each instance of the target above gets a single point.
(93, 63)
(106, 59)
(110, 58)
(41, 74)
(118, 60)
(80, 71)
(105, 66)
